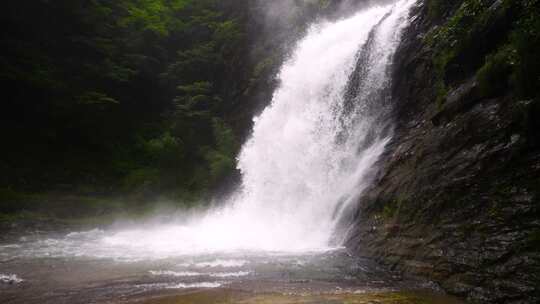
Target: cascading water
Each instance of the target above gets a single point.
(311, 153)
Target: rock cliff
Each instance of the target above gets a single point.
(456, 199)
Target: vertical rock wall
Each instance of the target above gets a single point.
(457, 197)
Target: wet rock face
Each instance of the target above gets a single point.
(457, 197)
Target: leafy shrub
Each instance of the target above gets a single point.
(165, 150)
(224, 137)
(221, 158)
(220, 164)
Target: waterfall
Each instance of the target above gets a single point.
(313, 148)
(311, 153)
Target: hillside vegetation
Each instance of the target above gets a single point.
(140, 99)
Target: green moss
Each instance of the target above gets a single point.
(391, 209)
(493, 76)
(441, 93)
(437, 8)
(526, 40)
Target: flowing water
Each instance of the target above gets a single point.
(311, 153)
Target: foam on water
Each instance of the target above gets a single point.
(219, 263)
(10, 279)
(175, 273)
(180, 285)
(199, 274)
(310, 154)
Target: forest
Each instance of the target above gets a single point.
(148, 99)
(119, 96)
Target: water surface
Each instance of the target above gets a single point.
(42, 273)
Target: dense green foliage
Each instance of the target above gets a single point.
(497, 40)
(119, 95)
(138, 99)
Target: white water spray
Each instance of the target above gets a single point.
(311, 153)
